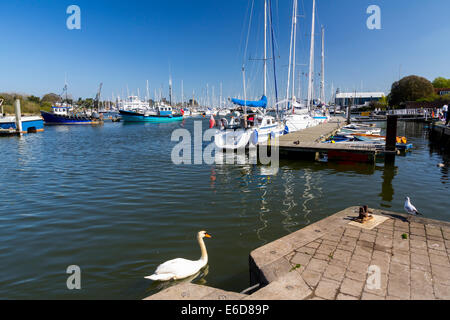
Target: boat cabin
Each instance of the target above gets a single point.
(165, 110)
(60, 110)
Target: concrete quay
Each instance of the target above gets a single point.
(440, 134)
(330, 260)
(334, 259)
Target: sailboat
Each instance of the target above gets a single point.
(300, 116)
(297, 116)
(255, 126)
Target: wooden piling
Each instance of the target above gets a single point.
(349, 114)
(18, 116)
(391, 133)
(391, 140)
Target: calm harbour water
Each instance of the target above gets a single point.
(108, 199)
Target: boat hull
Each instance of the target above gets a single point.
(128, 116)
(53, 119)
(29, 123)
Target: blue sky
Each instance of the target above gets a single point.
(203, 42)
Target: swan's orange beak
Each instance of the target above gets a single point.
(207, 235)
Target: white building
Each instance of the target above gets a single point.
(357, 98)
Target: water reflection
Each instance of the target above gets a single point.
(198, 278)
(387, 189)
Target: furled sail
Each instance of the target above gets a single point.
(253, 104)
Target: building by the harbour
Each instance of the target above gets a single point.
(442, 91)
(358, 99)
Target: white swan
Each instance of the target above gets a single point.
(181, 268)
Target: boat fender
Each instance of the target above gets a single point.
(255, 137)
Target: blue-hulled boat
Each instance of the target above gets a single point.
(161, 114)
(29, 123)
(61, 115)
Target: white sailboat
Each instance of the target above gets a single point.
(253, 127)
(298, 116)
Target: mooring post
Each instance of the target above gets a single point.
(391, 138)
(18, 116)
(348, 115)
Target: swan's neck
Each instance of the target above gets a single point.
(204, 256)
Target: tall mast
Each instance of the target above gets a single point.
(265, 47)
(290, 53)
(294, 60)
(311, 59)
(207, 94)
(322, 83)
(220, 95)
(170, 91)
(182, 94)
(148, 93)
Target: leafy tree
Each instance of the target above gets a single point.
(51, 98)
(441, 82)
(34, 99)
(410, 88)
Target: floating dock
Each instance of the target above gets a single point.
(339, 259)
(308, 144)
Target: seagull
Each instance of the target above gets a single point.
(410, 208)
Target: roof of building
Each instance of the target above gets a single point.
(359, 95)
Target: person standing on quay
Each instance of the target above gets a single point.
(446, 115)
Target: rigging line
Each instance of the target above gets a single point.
(248, 33)
(243, 27)
(273, 55)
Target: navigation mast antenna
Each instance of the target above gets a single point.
(311, 59)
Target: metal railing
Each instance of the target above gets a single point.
(414, 112)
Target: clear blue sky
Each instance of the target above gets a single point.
(203, 41)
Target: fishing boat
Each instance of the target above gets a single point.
(63, 114)
(132, 103)
(162, 113)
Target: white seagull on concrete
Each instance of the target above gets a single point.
(410, 208)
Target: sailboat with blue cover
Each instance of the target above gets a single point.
(255, 126)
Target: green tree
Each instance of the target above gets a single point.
(441, 82)
(51, 98)
(34, 99)
(410, 88)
